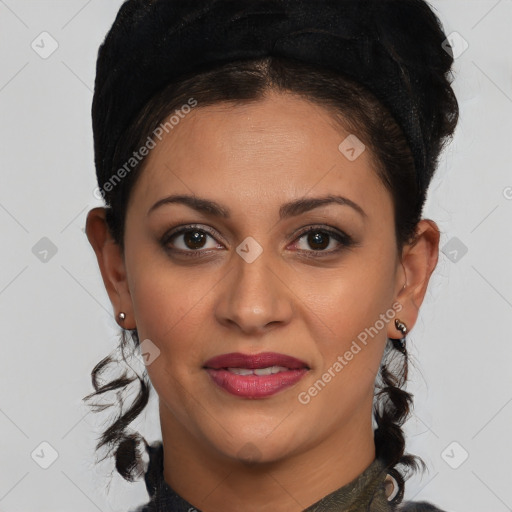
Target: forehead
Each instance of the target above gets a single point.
(271, 150)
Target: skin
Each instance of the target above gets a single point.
(223, 452)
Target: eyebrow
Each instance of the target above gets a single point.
(290, 209)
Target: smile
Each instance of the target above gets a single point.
(254, 376)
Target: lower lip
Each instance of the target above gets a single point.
(255, 386)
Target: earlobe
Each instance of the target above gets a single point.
(112, 267)
(419, 259)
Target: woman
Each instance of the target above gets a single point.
(264, 165)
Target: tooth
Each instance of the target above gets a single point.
(263, 371)
(259, 371)
(241, 371)
(270, 370)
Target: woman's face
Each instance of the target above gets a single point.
(265, 276)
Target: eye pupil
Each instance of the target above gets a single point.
(318, 238)
(196, 238)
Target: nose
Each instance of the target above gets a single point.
(255, 297)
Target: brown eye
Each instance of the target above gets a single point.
(318, 239)
(194, 239)
(189, 239)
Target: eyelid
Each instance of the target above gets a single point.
(321, 227)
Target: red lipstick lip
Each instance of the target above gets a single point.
(254, 361)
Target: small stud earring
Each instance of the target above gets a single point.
(122, 316)
(399, 343)
(401, 326)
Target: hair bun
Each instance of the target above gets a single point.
(393, 47)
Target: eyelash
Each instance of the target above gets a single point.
(342, 238)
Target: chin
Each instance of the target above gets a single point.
(256, 446)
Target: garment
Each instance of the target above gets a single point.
(367, 493)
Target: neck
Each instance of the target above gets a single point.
(212, 481)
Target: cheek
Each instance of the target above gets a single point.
(352, 311)
(347, 311)
(171, 310)
(351, 297)
(170, 306)
(165, 296)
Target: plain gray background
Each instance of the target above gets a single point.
(56, 318)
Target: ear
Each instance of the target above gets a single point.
(111, 262)
(419, 259)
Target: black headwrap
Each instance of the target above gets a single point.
(393, 47)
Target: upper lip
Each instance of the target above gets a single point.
(254, 361)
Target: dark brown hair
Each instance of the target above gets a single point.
(356, 110)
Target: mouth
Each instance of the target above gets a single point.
(255, 375)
